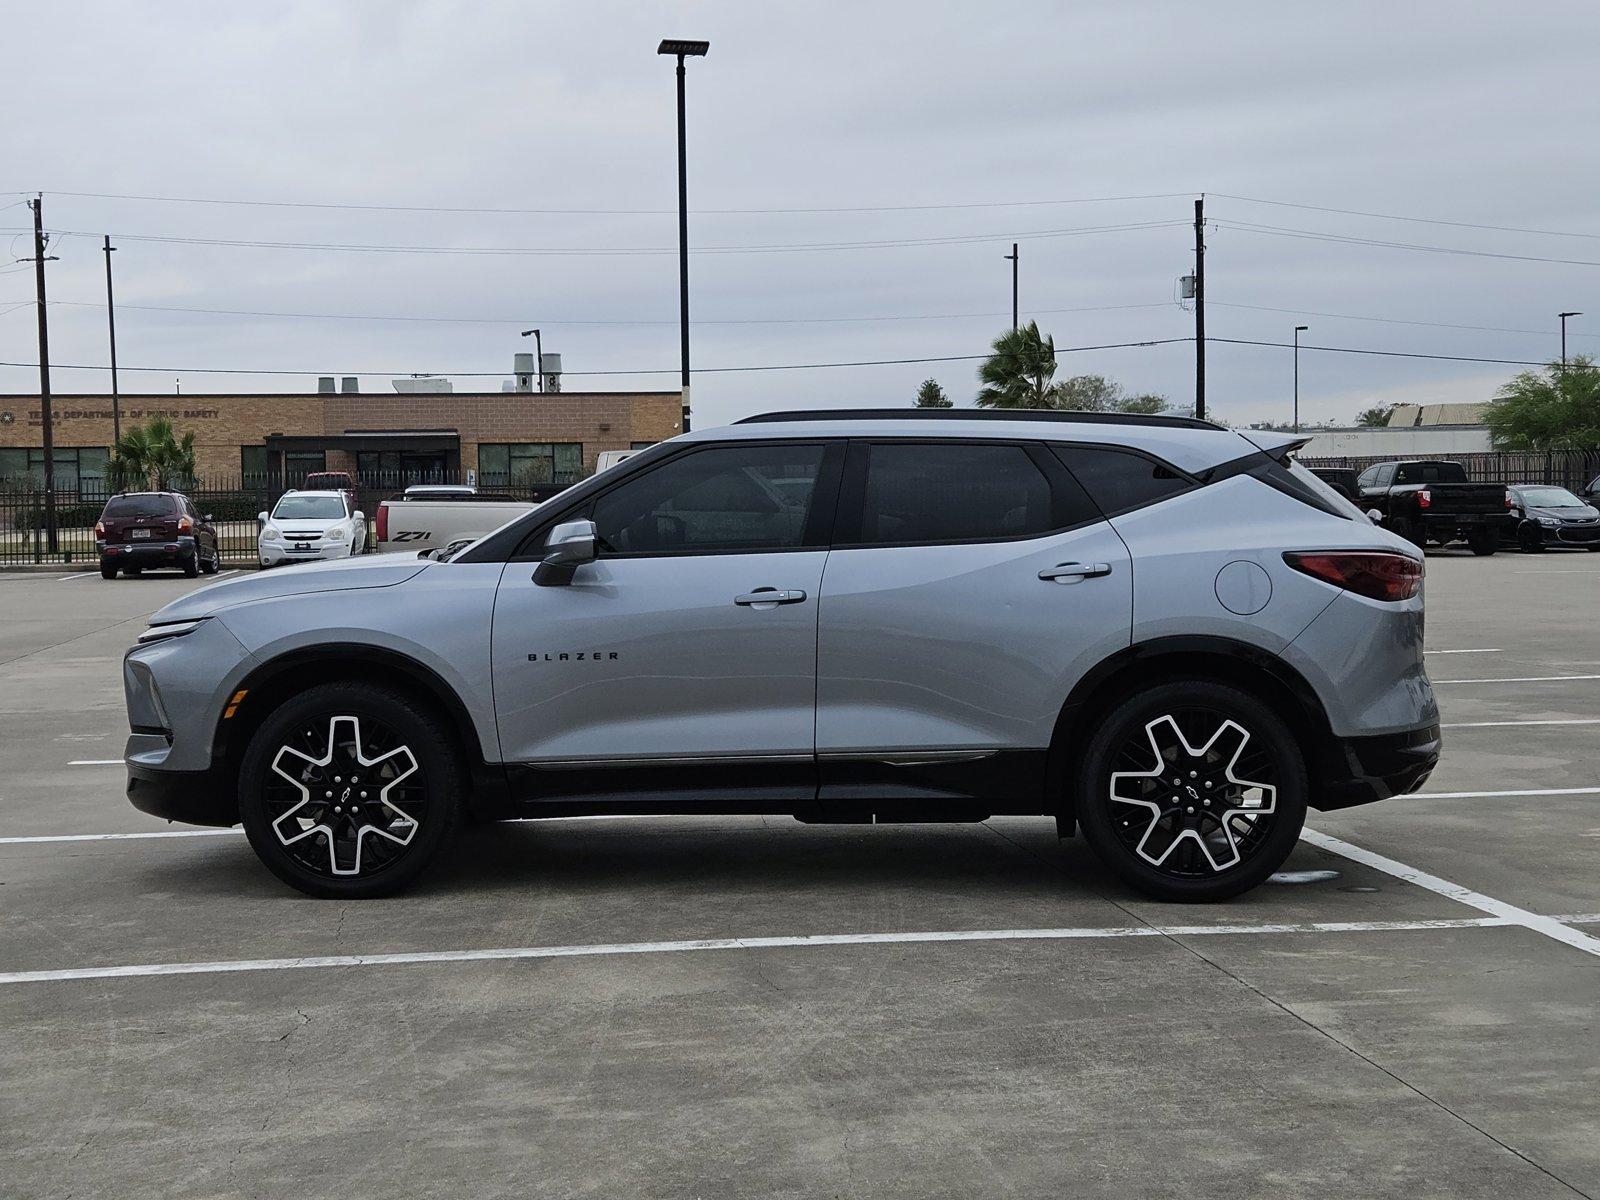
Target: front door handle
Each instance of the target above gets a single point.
(766, 597)
(1073, 571)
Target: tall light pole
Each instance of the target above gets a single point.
(1298, 330)
(1564, 317)
(538, 351)
(683, 49)
(1014, 260)
(111, 325)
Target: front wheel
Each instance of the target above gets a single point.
(1483, 544)
(191, 565)
(1192, 791)
(349, 790)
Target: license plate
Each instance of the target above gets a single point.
(138, 533)
(301, 548)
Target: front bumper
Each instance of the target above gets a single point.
(274, 554)
(193, 797)
(1360, 770)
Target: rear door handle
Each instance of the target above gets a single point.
(1071, 572)
(767, 597)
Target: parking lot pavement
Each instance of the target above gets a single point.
(589, 1007)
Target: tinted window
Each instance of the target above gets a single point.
(951, 492)
(1367, 478)
(1119, 479)
(719, 499)
(1385, 475)
(1431, 472)
(155, 504)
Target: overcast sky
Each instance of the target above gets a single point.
(1045, 123)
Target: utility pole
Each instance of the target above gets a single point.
(1564, 317)
(111, 323)
(39, 260)
(1298, 330)
(682, 48)
(1013, 257)
(1200, 307)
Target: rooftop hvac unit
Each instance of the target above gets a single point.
(550, 365)
(349, 383)
(324, 385)
(522, 367)
(424, 383)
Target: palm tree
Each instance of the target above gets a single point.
(152, 456)
(1018, 373)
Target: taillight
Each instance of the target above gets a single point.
(100, 529)
(383, 520)
(1376, 574)
(1424, 498)
(1508, 499)
(185, 525)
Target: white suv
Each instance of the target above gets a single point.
(1166, 634)
(307, 526)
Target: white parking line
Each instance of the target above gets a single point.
(1549, 926)
(1516, 679)
(1494, 724)
(802, 941)
(95, 762)
(1494, 651)
(1583, 791)
(116, 837)
(69, 578)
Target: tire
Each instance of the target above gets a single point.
(108, 570)
(1530, 542)
(214, 563)
(1411, 531)
(382, 843)
(191, 565)
(1136, 816)
(1483, 544)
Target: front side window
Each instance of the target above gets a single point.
(721, 499)
(953, 492)
(1120, 480)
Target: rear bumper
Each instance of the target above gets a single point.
(193, 797)
(142, 554)
(1359, 770)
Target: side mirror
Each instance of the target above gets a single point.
(261, 518)
(205, 517)
(569, 546)
(1374, 516)
(358, 515)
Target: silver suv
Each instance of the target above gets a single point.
(1166, 634)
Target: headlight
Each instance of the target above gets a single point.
(337, 534)
(160, 633)
(270, 533)
(1550, 521)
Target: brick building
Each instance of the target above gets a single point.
(496, 438)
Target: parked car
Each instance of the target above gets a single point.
(137, 530)
(308, 526)
(429, 518)
(1544, 516)
(612, 458)
(1426, 500)
(1590, 492)
(331, 481)
(1165, 633)
(1340, 479)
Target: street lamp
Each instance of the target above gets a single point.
(1298, 330)
(538, 350)
(1564, 317)
(683, 49)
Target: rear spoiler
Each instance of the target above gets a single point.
(1274, 444)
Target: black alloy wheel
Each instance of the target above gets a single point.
(1192, 791)
(350, 790)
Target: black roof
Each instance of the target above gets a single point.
(976, 414)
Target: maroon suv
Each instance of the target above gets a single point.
(155, 529)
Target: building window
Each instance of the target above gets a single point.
(519, 464)
(78, 468)
(253, 466)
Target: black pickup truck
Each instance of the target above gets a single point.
(1430, 500)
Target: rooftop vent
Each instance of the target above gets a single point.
(422, 383)
(349, 383)
(324, 385)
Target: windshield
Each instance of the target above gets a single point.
(155, 505)
(1550, 497)
(309, 508)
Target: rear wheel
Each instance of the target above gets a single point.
(1483, 543)
(1192, 791)
(1411, 531)
(349, 790)
(191, 565)
(108, 570)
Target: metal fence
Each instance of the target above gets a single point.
(232, 503)
(1565, 468)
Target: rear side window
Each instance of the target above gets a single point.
(921, 493)
(1120, 480)
(141, 506)
(1431, 472)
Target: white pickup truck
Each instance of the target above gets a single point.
(431, 517)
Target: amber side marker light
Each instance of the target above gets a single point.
(233, 704)
(1376, 574)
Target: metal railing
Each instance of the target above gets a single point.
(1571, 469)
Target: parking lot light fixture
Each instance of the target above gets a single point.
(1563, 317)
(683, 48)
(1298, 330)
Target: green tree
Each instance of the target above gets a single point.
(1375, 417)
(1557, 408)
(931, 395)
(1018, 372)
(1096, 393)
(152, 456)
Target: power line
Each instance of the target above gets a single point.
(1343, 239)
(523, 320)
(1306, 312)
(1350, 212)
(878, 362)
(618, 212)
(626, 251)
(1510, 362)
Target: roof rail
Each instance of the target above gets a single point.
(977, 414)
